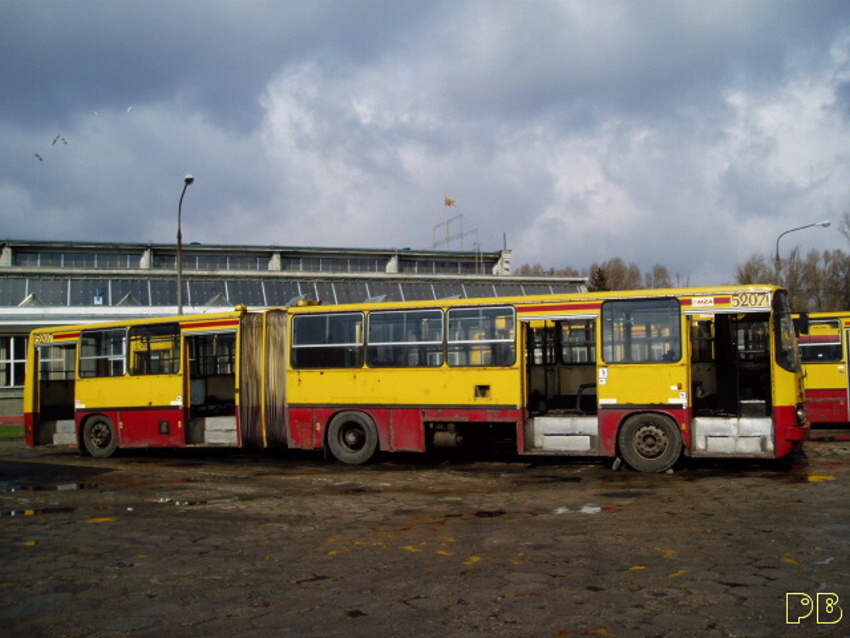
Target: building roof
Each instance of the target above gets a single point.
(63, 282)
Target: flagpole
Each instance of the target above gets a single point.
(446, 209)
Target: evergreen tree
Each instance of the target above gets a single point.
(598, 280)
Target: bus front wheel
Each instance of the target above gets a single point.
(352, 438)
(100, 437)
(650, 442)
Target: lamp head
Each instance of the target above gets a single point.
(825, 223)
(188, 179)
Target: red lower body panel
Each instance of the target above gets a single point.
(399, 429)
(155, 427)
(790, 436)
(827, 406)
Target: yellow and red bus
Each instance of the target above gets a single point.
(823, 350)
(646, 376)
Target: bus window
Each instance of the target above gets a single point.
(406, 339)
(213, 354)
(642, 331)
(822, 343)
(578, 341)
(328, 341)
(482, 337)
(820, 351)
(102, 353)
(155, 349)
(56, 362)
(702, 341)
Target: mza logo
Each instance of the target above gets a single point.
(822, 609)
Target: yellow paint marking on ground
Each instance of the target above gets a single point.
(788, 559)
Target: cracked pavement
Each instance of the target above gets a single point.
(224, 543)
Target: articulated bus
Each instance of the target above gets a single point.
(823, 349)
(644, 376)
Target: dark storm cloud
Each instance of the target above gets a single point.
(62, 58)
(580, 129)
(582, 63)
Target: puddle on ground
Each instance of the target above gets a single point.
(490, 513)
(62, 487)
(37, 512)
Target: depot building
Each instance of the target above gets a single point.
(58, 283)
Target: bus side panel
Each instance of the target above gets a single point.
(399, 430)
(159, 419)
(789, 435)
(301, 430)
(406, 431)
(30, 424)
(154, 427)
(827, 406)
(609, 428)
(31, 415)
(612, 419)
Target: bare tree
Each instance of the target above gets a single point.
(756, 271)
(658, 277)
(620, 275)
(844, 225)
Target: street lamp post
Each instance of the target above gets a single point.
(825, 224)
(186, 181)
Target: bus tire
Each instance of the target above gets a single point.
(100, 437)
(353, 438)
(650, 442)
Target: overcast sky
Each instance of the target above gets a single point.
(689, 134)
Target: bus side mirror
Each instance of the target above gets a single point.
(802, 323)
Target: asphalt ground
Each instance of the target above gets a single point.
(234, 543)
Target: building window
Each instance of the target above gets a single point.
(80, 260)
(13, 361)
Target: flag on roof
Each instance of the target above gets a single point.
(450, 202)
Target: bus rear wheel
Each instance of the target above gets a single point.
(353, 438)
(100, 437)
(650, 442)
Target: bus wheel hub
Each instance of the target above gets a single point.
(650, 441)
(353, 438)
